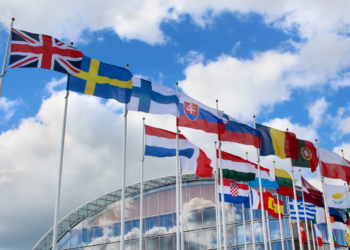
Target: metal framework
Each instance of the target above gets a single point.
(93, 207)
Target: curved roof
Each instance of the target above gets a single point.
(93, 207)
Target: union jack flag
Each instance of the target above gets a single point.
(29, 50)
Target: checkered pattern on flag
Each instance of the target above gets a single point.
(29, 50)
(234, 192)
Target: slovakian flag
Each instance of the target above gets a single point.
(334, 166)
(236, 168)
(196, 115)
(29, 50)
(162, 143)
(318, 236)
(236, 131)
(266, 180)
(234, 192)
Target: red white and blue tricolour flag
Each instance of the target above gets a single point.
(162, 143)
(29, 50)
(234, 192)
(318, 236)
(196, 115)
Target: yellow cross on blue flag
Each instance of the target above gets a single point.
(103, 80)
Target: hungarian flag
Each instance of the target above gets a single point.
(318, 236)
(307, 156)
(271, 205)
(312, 194)
(303, 234)
(285, 182)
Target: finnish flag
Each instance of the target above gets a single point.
(152, 98)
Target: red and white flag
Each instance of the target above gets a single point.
(318, 236)
(303, 234)
(334, 166)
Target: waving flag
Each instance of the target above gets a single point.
(255, 197)
(303, 234)
(284, 182)
(152, 98)
(310, 210)
(271, 205)
(162, 143)
(312, 194)
(337, 196)
(236, 168)
(196, 115)
(234, 192)
(266, 180)
(236, 131)
(318, 236)
(307, 156)
(29, 50)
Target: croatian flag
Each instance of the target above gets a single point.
(266, 180)
(196, 115)
(162, 143)
(318, 236)
(236, 131)
(234, 192)
(152, 98)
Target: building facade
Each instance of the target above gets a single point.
(96, 224)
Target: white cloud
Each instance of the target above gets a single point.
(317, 110)
(8, 107)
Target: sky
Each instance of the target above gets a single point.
(286, 62)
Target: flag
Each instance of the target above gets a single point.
(318, 236)
(29, 50)
(236, 168)
(255, 197)
(284, 182)
(334, 166)
(279, 143)
(236, 131)
(303, 234)
(320, 216)
(271, 205)
(337, 221)
(307, 156)
(196, 115)
(162, 143)
(103, 80)
(234, 192)
(335, 241)
(312, 194)
(152, 98)
(337, 196)
(310, 210)
(266, 180)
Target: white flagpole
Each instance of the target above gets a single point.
(251, 212)
(261, 196)
(58, 194)
(296, 203)
(291, 230)
(342, 153)
(5, 59)
(268, 225)
(141, 186)
(181, 212)
(313, 236)
(177, 184)
(279, 215)
(330, 233)
(244, 227)
(306, 224)
(217, 207)
(222, 191)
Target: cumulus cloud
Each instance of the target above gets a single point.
(8, 108)
(317, 110)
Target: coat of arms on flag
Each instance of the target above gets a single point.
(191, 110)
(234, 190)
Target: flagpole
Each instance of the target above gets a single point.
(279, 214)
(261, 195)
(306, 224)
(222, 191)
(296, 204)
(251, 211)
(342, 153)
(330, 233)
(177, 183)
(244, 227)
(291, 226)
(313, 238)
(181, 212)
(268, 225)
(141, 186)
(3, 72)
(217, 207)
(58, 194)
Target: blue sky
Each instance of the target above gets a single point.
(287, 63)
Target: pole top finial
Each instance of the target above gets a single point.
(316, 140)
(273, 161)
(253, 116)
(246, 152)
(217, 100)
(299, 170)
(287, 129)
(127, 66)
(71, 43)
(13, 19)
(144, 118)
(342, 150)
(215, 142)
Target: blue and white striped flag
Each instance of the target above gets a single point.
(310, 210)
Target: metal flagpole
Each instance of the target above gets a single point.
(296, 204)
(342, 153)
(261, 195)
(222, 192)
(3, 72)
(217, 207)
(181, 212)
(268, 225)
(58, 194)
(244, 227)
(177, 184)
(306, 224)
(330, 233)
(313, 236)
(279, 215)
(251, 211)
(141, 186)
(291, 226)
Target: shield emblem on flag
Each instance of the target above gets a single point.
(191, 110)
(234, 191)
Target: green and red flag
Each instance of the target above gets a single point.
(307, 156)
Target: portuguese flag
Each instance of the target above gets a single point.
(285, 182)
(307, 156)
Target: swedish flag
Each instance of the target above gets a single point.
(102, 80)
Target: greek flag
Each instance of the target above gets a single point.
(310, 210)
